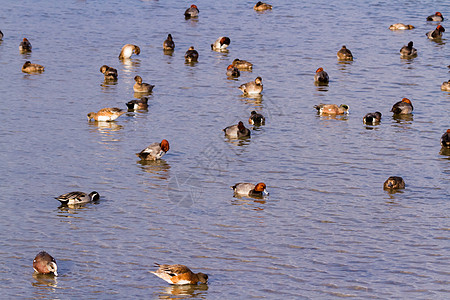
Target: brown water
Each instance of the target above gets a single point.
(327, 230)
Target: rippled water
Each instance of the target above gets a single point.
(327, 229)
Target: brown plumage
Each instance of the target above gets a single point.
(179, 275)
(44, 263)
(393, 183)
(110, 73)
(106, 114)
(28, 67)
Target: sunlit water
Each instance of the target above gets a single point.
(327, 229)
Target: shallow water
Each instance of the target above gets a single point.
(327, 230)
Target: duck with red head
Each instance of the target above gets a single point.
(437, 17)
(232, 71)
(221, 43)
(44, 263)
(154, 151)
(445, 139)
(237, 131)
(403, 107)
(321, 77)
(436, 34)
(250, 189)
(25, 45)
(191, 12)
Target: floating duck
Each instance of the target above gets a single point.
(259, 6)
(191, 55)
(233, 71)
(372, 118)
(332, 109)
(446, 86)
(110, 73)
(393, 183)
(191, 12)
(221, 43)
(437, 17)
(128, 50)
(252, 87)
(344, 54)
(74, 198)
(403, 107)
(321, 77)
(138, 104)
(44, 263)
(106, 114)
(400, 26)
(408, 51)
(179, 275)
(154, 151)
(250, 189)
(445, 139)
(25, 45)
(168, 43)
(436, 34)
(141, 87)
(28, 67)
(256, 119)
(242, 64)
(237, 131)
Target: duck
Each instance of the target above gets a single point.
(400, 26)
(403, 107)
(74, 198)
(250, 189)
(106, 114)
(221, 43)
(44, 263)
(191, 11)
(321, 77)
(154, 151)
(344, 54)
(252, 87)
(1, 35)
(393, 183)
(259, 6)
(437, 17)
(110, 73)
(128, 50)
(25, 45)
(242, 64)
(28, 67)
(191, 55)
(445, 86)
(372, 118)
(168, 43)
(408, 51)
(179, 275)
(436, 34)
(445, 139)
(256, 119)
(232, 71)
(138, 104)
(237, 131)
(332, 109)
(140, 87)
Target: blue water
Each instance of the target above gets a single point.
(327, 229)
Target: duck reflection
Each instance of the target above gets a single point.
(160, 169)
(333, 117)
(130, 64)
(189, 290)
(242, 141)
(253, 203)
(45, 280)
(403, 119)
(445, 151)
